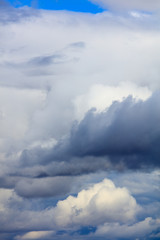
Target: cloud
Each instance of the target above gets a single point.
(4, 4)
(101, 96)
(15, 119)
(9, 14)
(123, 50)
(127, 132)
(46, 187)
(124, 136)
(55, 67)
(146, 192)
(39, 65)
(129, 4)
(94, 212)
(5, 194)
(138, 230)
(35, 235)
(101, 203)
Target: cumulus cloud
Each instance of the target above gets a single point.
(126, 135)
(101, 203)
(144, 5)
(71, 62)
(146, 192)
(127, 132)
(96, 210)
(101, 96)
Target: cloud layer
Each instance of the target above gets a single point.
(143, 5)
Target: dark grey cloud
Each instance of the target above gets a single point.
(125, 136)
(127, 132)
(8, 182)
(46, 187)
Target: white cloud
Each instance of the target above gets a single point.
(81, 67)
(35, 235)
(146, 5)
(101, 203)
(102, 96)
(134, 231)
(16, 109)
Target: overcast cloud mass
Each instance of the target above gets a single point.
(80, 122)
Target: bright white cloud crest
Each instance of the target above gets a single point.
(101, 203)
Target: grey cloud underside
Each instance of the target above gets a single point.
(125, 136)
(49, 187)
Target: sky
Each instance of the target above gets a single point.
(80, 120)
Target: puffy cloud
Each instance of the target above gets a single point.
(101, 203)
(71, 89)
(145, 5)
(124, 136)
(127, 132)
(96, 211)
(102, 96)
(149, 181)
(72, 61)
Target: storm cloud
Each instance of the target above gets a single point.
(125, 136)
(127, 132)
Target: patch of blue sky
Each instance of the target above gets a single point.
(69, 5)
(86, 230)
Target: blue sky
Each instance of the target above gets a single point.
(70, 5)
